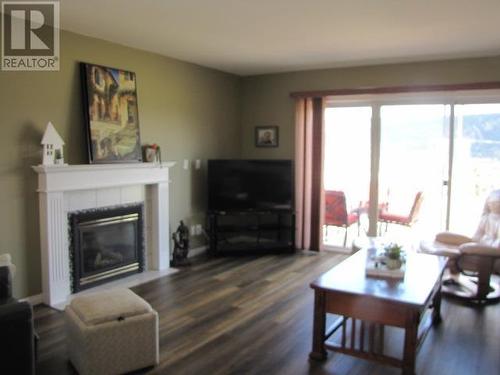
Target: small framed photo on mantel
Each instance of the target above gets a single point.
(266, 136)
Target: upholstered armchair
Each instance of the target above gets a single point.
(476, 258)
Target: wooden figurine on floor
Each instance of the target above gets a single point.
(181, 245)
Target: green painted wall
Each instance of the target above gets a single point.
(190, 111)
(266, 98)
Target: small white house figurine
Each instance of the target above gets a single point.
(52, 147)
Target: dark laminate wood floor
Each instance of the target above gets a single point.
(253, 315)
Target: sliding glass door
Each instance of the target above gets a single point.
(346, 168)
(414, 156)
(427, 167)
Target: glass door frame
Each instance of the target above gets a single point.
(376, 101)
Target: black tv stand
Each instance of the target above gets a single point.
(232, 232)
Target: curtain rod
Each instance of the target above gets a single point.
(397, 89)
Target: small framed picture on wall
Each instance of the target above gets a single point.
(266, 136)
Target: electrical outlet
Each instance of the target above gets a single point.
(199, 229)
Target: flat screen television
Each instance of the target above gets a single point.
(250, 185)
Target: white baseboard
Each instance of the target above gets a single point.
(37, 299)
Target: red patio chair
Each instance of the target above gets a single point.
(388, 217)
(336, 212)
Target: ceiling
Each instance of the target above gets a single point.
(248, 37)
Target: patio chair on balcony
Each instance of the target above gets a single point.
(406, 219)
(336, 212)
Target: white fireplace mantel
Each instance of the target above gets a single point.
(98, 176)
(58, 185)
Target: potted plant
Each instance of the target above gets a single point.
(393, 256)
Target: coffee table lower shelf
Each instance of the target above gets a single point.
(366, 340)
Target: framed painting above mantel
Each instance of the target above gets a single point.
(111, 114)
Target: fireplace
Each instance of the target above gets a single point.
(72, 188)
(105, 244)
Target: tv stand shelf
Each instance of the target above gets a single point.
(251, 231)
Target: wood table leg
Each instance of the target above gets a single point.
(436, 303)
(410, 348)
(483, 279)
(318, 341)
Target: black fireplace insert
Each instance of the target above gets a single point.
(106, 244)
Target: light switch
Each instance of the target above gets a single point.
(186, 164)
(197, 164)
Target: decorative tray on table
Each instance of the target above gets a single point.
(380, 264)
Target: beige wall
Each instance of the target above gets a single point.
(190, 111)
(266, 99)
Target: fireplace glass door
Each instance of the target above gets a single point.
(106, 244)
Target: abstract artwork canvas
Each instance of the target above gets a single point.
(111, 113)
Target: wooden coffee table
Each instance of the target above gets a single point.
(366, 305)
